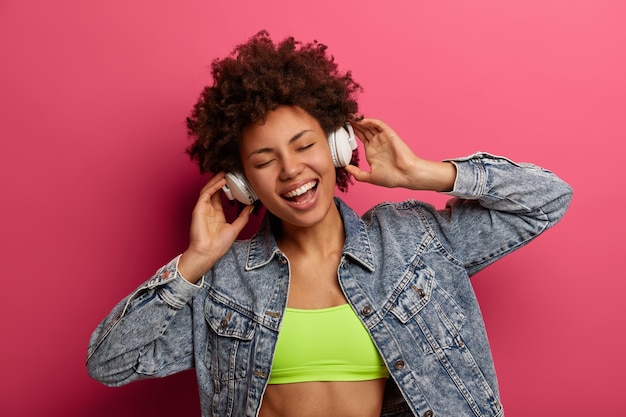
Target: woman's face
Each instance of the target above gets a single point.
(288, 163)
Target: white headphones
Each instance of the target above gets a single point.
(341, 142)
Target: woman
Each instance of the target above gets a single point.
(323, 313)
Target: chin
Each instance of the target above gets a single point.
(309, 216)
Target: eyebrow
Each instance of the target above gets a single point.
(292, 140)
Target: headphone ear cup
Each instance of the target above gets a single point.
(238, 188)
(342, 142)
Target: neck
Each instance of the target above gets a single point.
(328, 236)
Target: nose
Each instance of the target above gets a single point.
(291, 167)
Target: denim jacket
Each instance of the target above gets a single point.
(405, 271)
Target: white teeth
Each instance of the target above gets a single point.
(299, 191)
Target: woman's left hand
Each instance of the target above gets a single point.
(393, 164)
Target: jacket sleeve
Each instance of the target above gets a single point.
(498, 206)
(148, 334)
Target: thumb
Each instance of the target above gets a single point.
(240, 222)
(358, 173)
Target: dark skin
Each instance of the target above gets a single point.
(289, 152)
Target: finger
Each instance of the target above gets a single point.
(216, 199)
(216, 181)
(363, 134)
(374, 124)
(212, 187)
(374, 127)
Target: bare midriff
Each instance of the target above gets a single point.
(314, 399)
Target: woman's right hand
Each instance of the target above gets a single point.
(210, 235)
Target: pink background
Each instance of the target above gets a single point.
(97, 192)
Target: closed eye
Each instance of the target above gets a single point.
(305, 147)
(263, 164)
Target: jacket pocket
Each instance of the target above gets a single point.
(428, 310)
(229, 355)
(229, 348)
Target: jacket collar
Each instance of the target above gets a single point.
(262, 247)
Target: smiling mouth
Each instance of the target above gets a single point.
(301, 194)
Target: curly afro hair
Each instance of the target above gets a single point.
(258, 77)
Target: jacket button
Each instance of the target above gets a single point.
(283, 260)
(399, 365)
(419, 291)
(367, 310)
(429, 413)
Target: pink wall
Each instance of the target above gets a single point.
(97, 192)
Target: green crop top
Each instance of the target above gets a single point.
(328, 344)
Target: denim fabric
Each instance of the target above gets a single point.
(405, 271)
